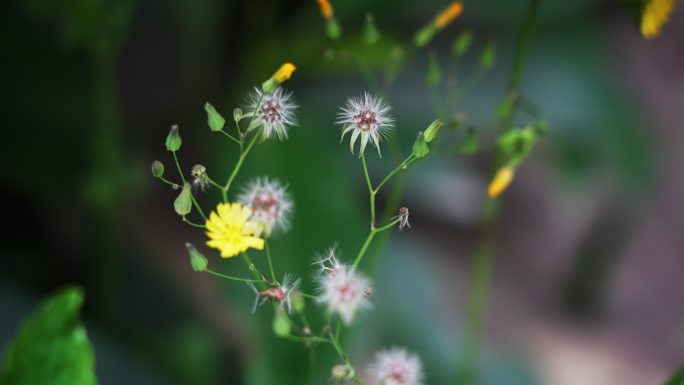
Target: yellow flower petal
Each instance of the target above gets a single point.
(230, 231)
(654, 16)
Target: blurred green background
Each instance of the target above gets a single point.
(588, 273)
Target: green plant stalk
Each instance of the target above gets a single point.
(480, 280)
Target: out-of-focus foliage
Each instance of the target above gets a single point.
(52, 347)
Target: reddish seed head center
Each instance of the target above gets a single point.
(399, 374)
(366, 120)
(347, 292)
(270, 111)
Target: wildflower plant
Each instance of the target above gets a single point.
(241, 223)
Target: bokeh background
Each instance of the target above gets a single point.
(587, 285)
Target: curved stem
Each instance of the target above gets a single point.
(229, 277)
(191, 223)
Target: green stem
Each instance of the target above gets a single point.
(168, 182)
(255, 272)
(270, 264)
(402, 166)
(484, 251)
(192, 197)
(191, 223)
(229, 277)
(238, 165)
(367, 243)
(231, 137)
(370, 190)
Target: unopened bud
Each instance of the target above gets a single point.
(173, 140)
(157, 169)
(488, 56)
(282, 74)
(420, 147)
(433, 130)
(197, 260)
(214, 119)
(502, 179)
(281, 324)
(433, 74)
(237, 115)
(470, 143)
(342, 372)
(370, 33)
(333, 29)
(183, 204)
(298, 302)
(462, 43)
(424, 35)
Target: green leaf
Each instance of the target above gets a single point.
(677, 378)
(52, 347)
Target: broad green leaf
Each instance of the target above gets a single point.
(52, 347)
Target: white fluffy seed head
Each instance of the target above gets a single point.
(395, 366)
(289, 285)
(274, 115)
(270, 203)
(366, 117)
(341, 288)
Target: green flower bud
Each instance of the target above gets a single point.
(433, 74)
(342, 372)
(433, 130)
(424, 35)
(214, 119)
(298, 302)
(462, 43)
(370, 34)
(197, 260)
(237, 115)
(281, 324)
(157, 169)
(470, 143)
(420, 147)
(333, 29)
(488, 56)
(183, 204)
(173, 140)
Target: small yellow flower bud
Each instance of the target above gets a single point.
(284, 72)
(448, 14)
(326, 8)
(654, 15)
(501, 180)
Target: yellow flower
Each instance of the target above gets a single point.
(284, 72)
(230, 230)
(448, 14)
(501, 180)
(654, 15)
(326, 8)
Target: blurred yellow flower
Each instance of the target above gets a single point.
(230, 230)
(448, 14)
(501, 180)
(654, 15)
(326, 8)
(284, 72)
